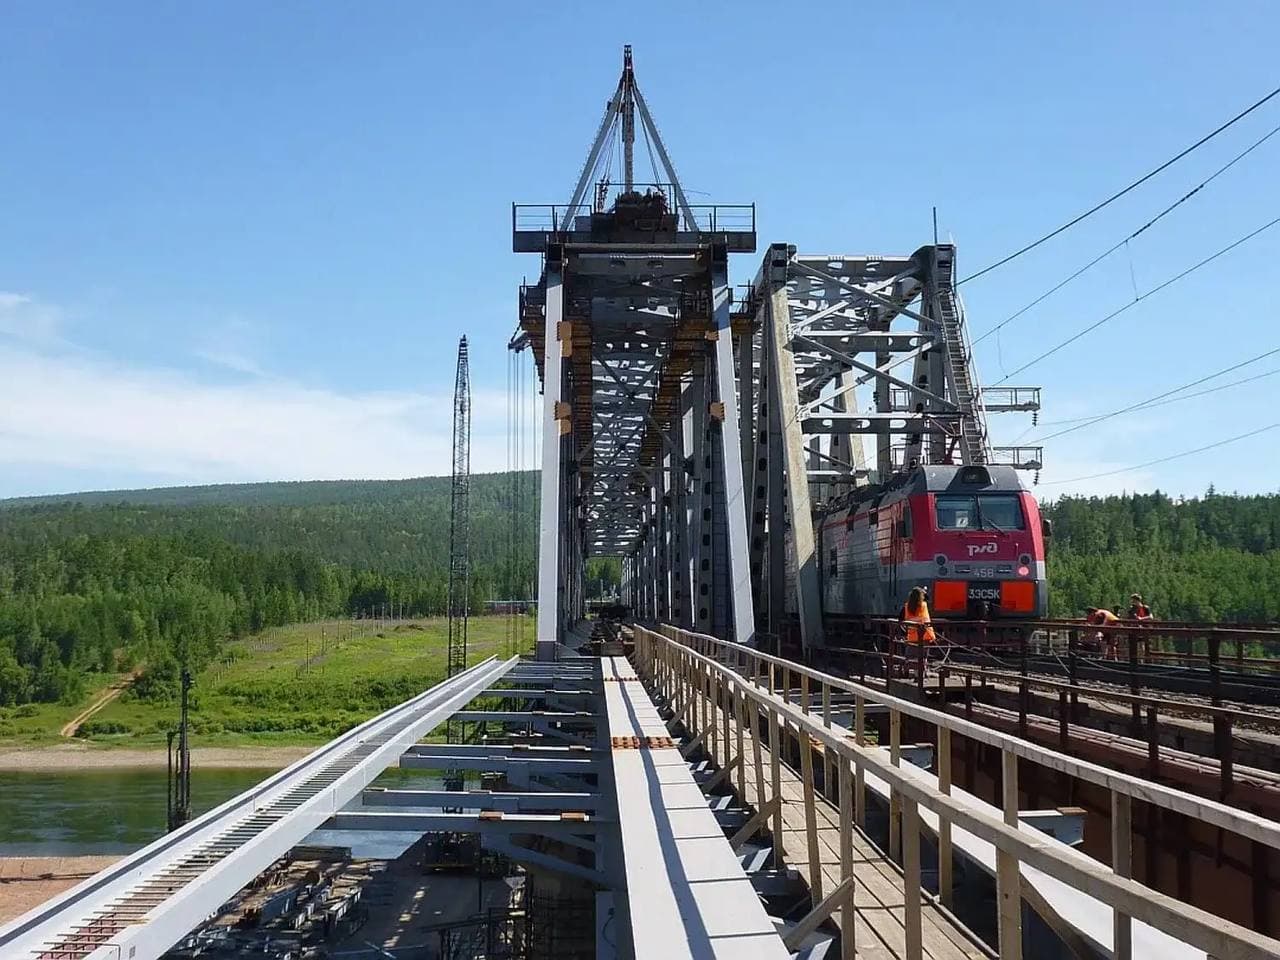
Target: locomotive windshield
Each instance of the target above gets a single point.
(986, 511)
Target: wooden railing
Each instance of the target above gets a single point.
(704, 678)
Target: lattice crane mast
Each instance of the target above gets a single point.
(460, 515)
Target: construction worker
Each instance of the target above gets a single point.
(916, 610)
(1102, 617)
(1137, 609)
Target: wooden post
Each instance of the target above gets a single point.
(945, 881)
(1008, 879)
(911, 879)
(848, 918)
(828, 762)
(804, 692)
(710, 705)
(895, 797)
(859, 778)
(739, 698)
(756, 754)
(810, 815)
(775, 771)
(1122, 866)
(722, 699)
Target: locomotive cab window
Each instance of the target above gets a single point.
(987, 511)
(833, 562)
(1004, 512)
(957, 513)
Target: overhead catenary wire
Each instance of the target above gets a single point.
(1149, 404)
(1141, 404)
(1175, 456)
(1120, 193)
(1132, 236)
(1154, 290)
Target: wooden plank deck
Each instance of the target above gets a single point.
(880, 931)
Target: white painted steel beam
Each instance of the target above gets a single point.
(550, 521)
(232, 844)
(687, 896)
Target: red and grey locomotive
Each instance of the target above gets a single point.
(971, 534)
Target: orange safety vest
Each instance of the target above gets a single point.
(913, 633)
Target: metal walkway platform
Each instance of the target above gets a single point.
(141, 906)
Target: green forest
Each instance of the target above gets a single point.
(1211, 558)
(105, 582)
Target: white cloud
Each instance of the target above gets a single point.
(25, 319)
(234, 344)
(73, 411)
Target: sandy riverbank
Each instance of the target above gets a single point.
(70, 756)
(27, 882)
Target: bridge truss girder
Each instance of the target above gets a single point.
(838, 348)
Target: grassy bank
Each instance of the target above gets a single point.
(294, 685)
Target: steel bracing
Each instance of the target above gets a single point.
(852, 350)
(630, 323)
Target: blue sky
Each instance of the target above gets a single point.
(239, 241)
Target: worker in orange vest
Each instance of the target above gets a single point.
(1138, 610)
(916, 610)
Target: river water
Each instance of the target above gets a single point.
(48, 814)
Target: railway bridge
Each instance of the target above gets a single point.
(738, 772)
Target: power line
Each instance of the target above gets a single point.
(1156, 289)
(1176, 456)
(1146, 226)
(1160, 396)
(1150, 404)
(1116, 196)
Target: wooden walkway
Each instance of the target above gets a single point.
(880, 932)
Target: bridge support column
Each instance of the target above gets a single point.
(681, 610)
(728, 438)
(555, 428)
(785, 397)
(700, 532)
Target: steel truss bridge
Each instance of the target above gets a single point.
(710, 800)
(685, 422)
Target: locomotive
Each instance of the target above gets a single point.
(971, 534)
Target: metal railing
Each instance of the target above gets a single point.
(142, 905)
(706, 218)
(697, 672)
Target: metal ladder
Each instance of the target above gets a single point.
(960, 367)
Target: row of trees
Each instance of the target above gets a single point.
(103, 581)
(1210, 558)
(162, 577)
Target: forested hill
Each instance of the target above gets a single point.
(102, 581)
(394, 527)
(1215, 557)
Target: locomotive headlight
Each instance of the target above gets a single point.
(1024, 570)
(940, 560)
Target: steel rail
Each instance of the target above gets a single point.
(138, 908)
